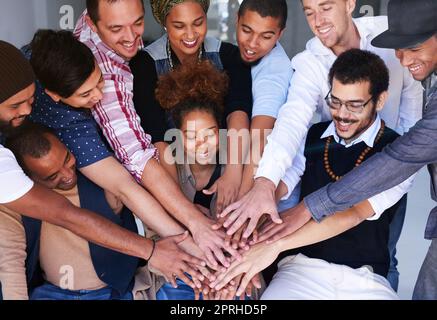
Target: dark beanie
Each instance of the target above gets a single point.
(16, 73)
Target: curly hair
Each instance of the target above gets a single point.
(198, 86)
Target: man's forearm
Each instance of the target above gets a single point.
(43, 204)
(313, 232)
(164, 148)
(159, 183)
(110, 175)
(237, 150)
(260, 128)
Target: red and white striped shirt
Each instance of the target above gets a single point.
(115, 113)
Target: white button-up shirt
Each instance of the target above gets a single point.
(309, 86)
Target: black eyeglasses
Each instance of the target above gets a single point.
(351, 106)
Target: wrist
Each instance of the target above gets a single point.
(233, 169)
(198, 224)
(193, 226)
(280, 245)
(265, 183)
(151, 251)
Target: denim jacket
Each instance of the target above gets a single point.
(386, 169)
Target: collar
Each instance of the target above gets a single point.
(316, 46)
(368, 136)
(85, 34)
(430, 81)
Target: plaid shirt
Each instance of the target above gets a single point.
(115, 113)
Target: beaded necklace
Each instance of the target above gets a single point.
(170, 55)
(360, 158)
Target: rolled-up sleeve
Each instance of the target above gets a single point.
(386, 199)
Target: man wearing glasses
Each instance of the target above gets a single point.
(330, 263)
(335, 32)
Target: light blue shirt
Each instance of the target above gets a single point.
(270, 81)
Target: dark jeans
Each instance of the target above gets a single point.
(395, 232)
(50, 292)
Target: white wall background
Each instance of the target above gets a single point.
(19, 19)
(11, 12)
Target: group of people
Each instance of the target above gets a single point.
(194, 168)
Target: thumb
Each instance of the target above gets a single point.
(275, 217)
(180, 237)
(216, 226)
(211, 190)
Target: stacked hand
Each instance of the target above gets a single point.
(258, 201)
(212, 242)
(293, 218)
(256, 259)
(169, 260)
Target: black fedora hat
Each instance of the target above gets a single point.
(410, 22)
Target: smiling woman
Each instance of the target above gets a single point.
(194, 94)
(186, 42)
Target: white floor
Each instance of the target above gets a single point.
(412, 246)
